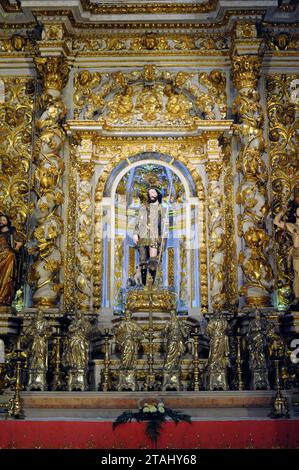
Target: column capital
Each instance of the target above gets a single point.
(85, 169)
(54, 72)
(214, 169)
(246, 71)
(84, 163)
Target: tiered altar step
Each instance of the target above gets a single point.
(108, 405)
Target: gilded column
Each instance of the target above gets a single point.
(215, 225)
(69, 290)
(48, 182)
(84, 211)
(230, 255)
(252, 194)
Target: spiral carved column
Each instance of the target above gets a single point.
(252, 194)
(48, 182)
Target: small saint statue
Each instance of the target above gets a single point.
(128, 336)
(76, 353)
(176, 333)
(38, 334)
(258, 336)
(219, 360)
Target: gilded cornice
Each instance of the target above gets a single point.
(132, 8)
(123, 140)
(223, 21)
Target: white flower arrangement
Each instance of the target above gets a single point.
(155, 414)
(152, 408)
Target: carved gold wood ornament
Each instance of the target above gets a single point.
(48, 182)
(282, 106)
(252, 191)
(142, 97)
(16, 108)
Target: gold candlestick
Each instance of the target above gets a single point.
(195, 335)
(107, 337)
(15, 409)
(57, 383)
(239, 361)
(279, 403)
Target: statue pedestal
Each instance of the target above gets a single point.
(172, 380)
(150, 299)
(127, 380)
(37, 380)
(77, 380)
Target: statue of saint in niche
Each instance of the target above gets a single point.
(288, 220)
(151, 230)
(10, 266)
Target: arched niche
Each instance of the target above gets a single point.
(113, 240)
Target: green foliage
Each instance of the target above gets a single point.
(154, 415)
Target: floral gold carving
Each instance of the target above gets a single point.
(283, 152)
(252, 191)
(84, 212)
(16, 110)
(148, 95)
(216, 233)
(152, 44)
(48, 182)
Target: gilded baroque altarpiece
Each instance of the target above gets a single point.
(90, 109)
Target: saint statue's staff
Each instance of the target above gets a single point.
(164, 230)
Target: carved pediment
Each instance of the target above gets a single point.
(150, 97)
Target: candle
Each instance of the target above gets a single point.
(2, 352)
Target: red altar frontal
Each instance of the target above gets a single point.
(247, 434)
